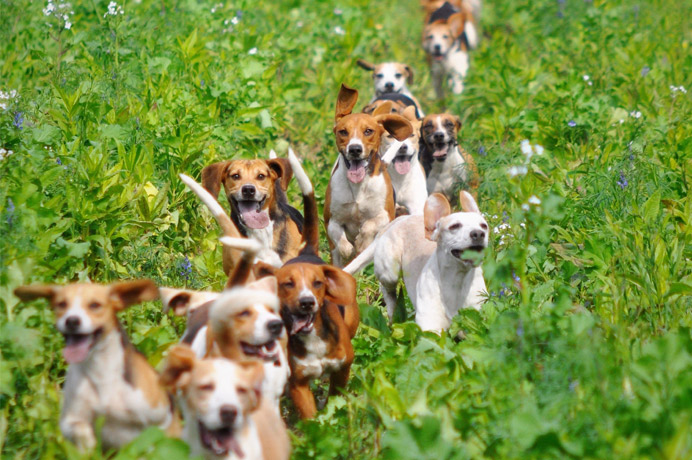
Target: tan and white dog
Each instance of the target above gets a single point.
(391, 78)
(360, 199)
(449, 34)
(225, 414)
(437, 254)
(447, 167)
(107, 377)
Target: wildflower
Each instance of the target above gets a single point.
(18, 120)
(57, 160)
(525, 207)
(645, 70)
(338, 11)
(571, 123)
(481, 151)
(6, 97)
(252, 51)
(235, 20)
(636, 114)
(113, 9)
(216, 7)
(622, 182)
(10, 210)
(239, 14)
(299, 24)
(515, 171)
(5, 153)
(339, 30)
(587, 79)
(573, 385)
(186, 268)
(520, 329)
(533, 199)
(677, 89)
(526, 147)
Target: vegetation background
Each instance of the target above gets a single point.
(583, 349)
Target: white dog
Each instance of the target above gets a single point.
(435, 254)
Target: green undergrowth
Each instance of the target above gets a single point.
(583, 349)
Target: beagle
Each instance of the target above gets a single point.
(319, 309)
(359, 200)
(449, 34)
(391, 79)
(224, 409)
(256, 192)
(446, 165)
(107, 377)
(438, 256)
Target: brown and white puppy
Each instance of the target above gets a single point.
(449, 34)
(107, 377)
(446, 165)
(255, 189)
(225, 414)
(391, 78)
(359, 200)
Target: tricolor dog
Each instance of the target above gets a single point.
(222, 403)
(360, 199)
(446, 165)
(107, 377)
(447, 37)
(438, 256)
(255, 190)
(391, 78)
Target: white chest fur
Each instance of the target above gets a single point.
(315, 363)
(444, 175)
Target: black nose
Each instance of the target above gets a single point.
(248, 191)
(477, 235)
(228, 414)
(275, 327)
(437, 48)
(439, 137)
(403, 148)
(389, 86)
(355, 149)
(306, 303)
(72, 323)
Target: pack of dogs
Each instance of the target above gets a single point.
(286, 316)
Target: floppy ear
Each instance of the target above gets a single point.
(383, 109)
(251, 375)
(457, 122)
(339, 283)
(365, 64)
(177, 299)
(283, 170)
(468, 204)
(268, 284)
(396, 125)
(176, 373)
(410, 113)
(436, 207)
(409, 76)
(131, 292)
(456, 24)
(345, 101)
(263, 269)
(212, 176)
(36, 291)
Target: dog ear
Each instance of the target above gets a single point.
(212, 176)
(262, 270)
(339, 283)
(365, 64)
(251, 376)
(176, 372)
(436, 207)
(345, 101)
(268, 284)
(409, 76)
(36, 291)
(396, 125)
(131, 292)
(177, 299)
(410, 113)
(468, 204)
(456, 24)
(457, 122)
(383, 109)
(283, 170)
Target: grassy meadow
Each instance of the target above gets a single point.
(579, 118)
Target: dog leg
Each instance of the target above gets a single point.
(389, 295)
(303, 398)
(339, 380)
(343, 249)
(80, 432)
(437, 80)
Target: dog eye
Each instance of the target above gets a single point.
(244, 314)
(484, 226)
(94, 306)
(288, 285)
(398, 75)
(379, 75)
(261, 176)
(445, 36)
(343, 132)
(317, 284)
(429, 37)
(368, 132)
(448, 124)
(428, 125)
(235, 176)
(456, 226)
(206, 387)
(241, 390)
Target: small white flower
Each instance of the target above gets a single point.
(252, 51)
(533, 199)
(338, 11)
(525, 207)
(526, 147)
(636, 114)
(515, 171)
(299, 24)
(339, 30)
(678, 89)
(538, 149)
(622, 120)
(522, 225)
(590, 83)
(235, 20)
(68, 25)
(586, 78)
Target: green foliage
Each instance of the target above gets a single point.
(583, 348)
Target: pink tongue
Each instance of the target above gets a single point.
(256, 219)
(440, 152)
(356, 172)
(76, 352)
(402, 166)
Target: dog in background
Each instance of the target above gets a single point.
(391, 79)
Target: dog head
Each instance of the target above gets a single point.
(245, 322)
(218, 396)
(184, 301)
(86, 312)
(440, 36)
(403, 154)
(389, 77)
(358, 135)
(251, 186)
(439, 134)
(459, 235)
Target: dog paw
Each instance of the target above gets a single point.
(82, 435)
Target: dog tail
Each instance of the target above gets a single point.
(225, 222)
(311, 223)
(250, 247)
(362, 260)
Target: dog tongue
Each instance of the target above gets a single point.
(402, 165)
(76, 350)
(299, 324)
(356, 171)
(252, 216)
(440, 151)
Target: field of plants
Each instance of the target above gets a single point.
(577, 113)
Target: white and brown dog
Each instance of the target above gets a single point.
(446, 165)
(225, 415)
(438, 256)
(449, 34)
(107, 377)
(360, 199)
(391, 78)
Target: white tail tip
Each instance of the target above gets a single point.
(244, 244)
(299, 173)
(272, 155)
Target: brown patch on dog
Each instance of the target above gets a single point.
(436, 207)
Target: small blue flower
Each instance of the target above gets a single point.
(571, 123)
(645, 70)
(622, 182)
(573, 385)
(186, 268)
(10, 210)
(57, 160)
(481, 151)
(18, 120)
(515, 277)
(520, 329)
(239, 14)
(201, 83)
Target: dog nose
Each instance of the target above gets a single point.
(439, 137)
(403, 148)
(355, 149)
(72, 323)
(275, 327)
(437, 48)
(306, 303)
(389, 86)
(248, 191)
(228, 414)
(477, 235)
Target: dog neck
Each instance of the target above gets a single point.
(107, 360)
(455, 278)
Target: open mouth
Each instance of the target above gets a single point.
(440, 150)
(302, 324)
(251, 213)
(266, 351)
(437, 56)
(402, 163)
(458, 253)
(356, 170)
(77, 346)
(220, 441)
